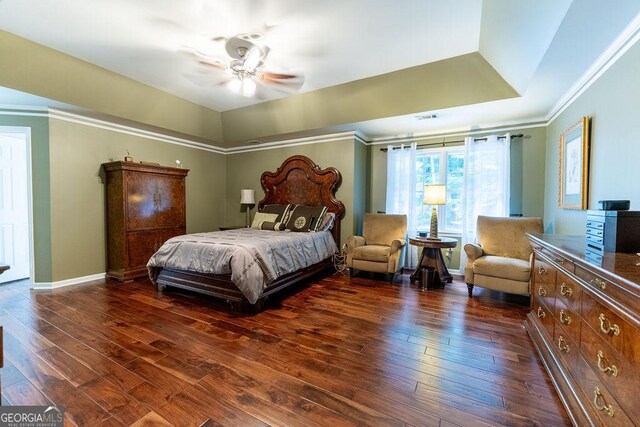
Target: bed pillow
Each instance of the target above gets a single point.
(327, 222)
(281, 210)
(305, 218)
(270, 225)
(262, 217)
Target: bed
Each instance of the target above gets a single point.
(298, 181)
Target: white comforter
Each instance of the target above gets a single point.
(254, 258)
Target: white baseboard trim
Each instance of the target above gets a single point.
(67, 282)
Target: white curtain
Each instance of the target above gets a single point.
(486, 183)
(401, 192)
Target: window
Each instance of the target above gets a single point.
(436, 166)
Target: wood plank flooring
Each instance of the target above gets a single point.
(339, 352)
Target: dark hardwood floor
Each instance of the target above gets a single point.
(338, 352)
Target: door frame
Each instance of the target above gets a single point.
(27, 132)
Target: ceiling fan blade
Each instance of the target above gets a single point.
(218, 65)
(291, 84)
(265, 75)
(205, 80)
(252, 59)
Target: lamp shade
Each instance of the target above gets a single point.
(435, 194)
(247, 197)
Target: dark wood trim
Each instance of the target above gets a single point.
(300, 181)
(221, 286)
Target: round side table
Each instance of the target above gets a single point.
(432, 257)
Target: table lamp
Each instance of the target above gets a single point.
(434, 195)
(247, 197)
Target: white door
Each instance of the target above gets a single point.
(14, 208)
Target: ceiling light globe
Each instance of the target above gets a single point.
(248, 87)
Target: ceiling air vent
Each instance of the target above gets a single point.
(426, 116)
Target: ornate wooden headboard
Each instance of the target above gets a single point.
(300, 181)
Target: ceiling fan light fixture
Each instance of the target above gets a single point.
(248, 87)
(235, 85)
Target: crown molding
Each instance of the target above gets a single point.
(130, 130)
(629, 36)
(496, 127)
(318, 139)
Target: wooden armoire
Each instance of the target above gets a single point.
(145, 208)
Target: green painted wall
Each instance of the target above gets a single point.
(78, 224)
(244, 171)
(463, 80)
(45, 72)
(41, 190)
(360, 192)
(612, 103)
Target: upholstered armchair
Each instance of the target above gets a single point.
(501, 259)
(378, 249)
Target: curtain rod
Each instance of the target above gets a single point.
(444, 144)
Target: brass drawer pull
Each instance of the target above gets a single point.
(542, 292)
(605, 328)
(565, 290)
(562, 345)
(597, 395)
(542, 270)
(599, 283)
(564, 318)
(559, 261)
(604, 369)
(541, 313)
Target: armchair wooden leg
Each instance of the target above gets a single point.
(391, 276)
(470, 289)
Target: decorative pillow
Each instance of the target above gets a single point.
(269, 225)
(327, 222)
(305, 218)
(262, 217)
(281, 210)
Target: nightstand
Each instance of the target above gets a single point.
(231, 227)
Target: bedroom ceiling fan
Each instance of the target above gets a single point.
(243, 67)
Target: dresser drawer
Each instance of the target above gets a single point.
(544, 315)
(568, 291)
(545, 293)
(599, 240)
(598, 397)
(601, 284)
(565, 346)
(612, 328)
(544, 272)
(595, 224)
(598, 232)
(615, 373)
(569, 319)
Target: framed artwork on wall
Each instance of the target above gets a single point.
(573, 180)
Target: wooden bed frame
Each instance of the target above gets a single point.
(297, 181)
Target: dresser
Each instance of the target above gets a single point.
(145, 207)
(585, 325)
